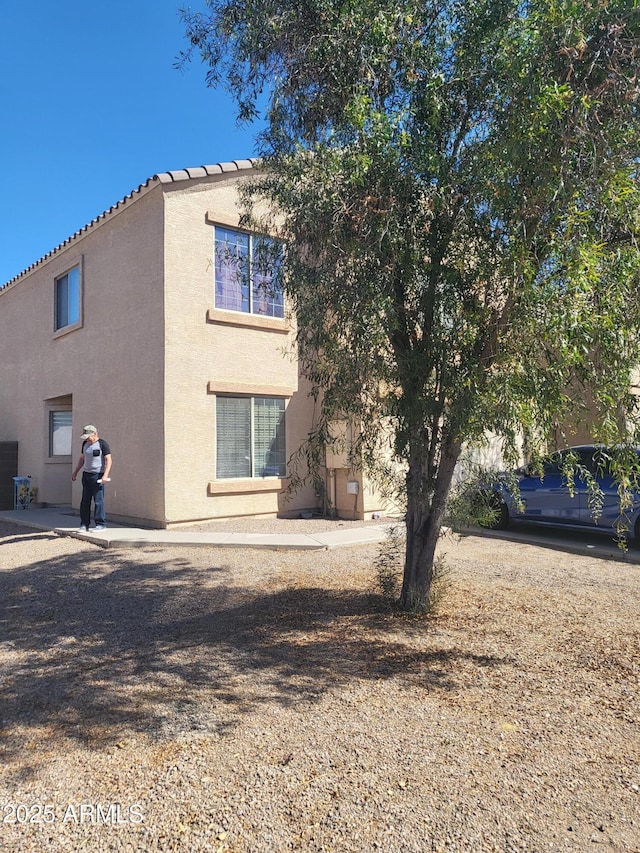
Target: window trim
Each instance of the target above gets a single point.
(59, 410)
(60, 404)
(238, 312)
(216, 488)
(225, 317)
(276, 480)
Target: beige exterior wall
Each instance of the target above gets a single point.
(351, 494)
(109, 369)
(355, 496)
(210, 351)
(147, 360)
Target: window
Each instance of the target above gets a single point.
(250, 437)
(60, 433)
(67, 299)
(247, 273)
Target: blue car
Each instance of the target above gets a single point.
(548, 499)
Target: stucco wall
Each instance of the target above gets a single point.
(110, 368)
(210, 351)
(147, 360)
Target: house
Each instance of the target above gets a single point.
(139, 323)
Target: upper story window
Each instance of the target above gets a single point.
(247, 273)
(67, 299)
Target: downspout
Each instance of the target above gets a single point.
(333, 511)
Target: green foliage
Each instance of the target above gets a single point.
(422, 602)
(458, 187)
(473, 499)
(388, 565)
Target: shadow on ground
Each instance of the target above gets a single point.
(94, 645)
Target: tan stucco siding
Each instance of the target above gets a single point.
(126, 313)
(29, 370)
(210, 352)
(148, 359)
(110, 365)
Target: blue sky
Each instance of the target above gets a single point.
(91, 107)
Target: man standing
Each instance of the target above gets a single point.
(95, 462)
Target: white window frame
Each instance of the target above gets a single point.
(249, 300)
(251, 439)
(52, 417)
(55, 404)
(69, 323)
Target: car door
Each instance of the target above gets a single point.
(609, 513)
(548, 498)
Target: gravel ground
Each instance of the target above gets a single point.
(262, 702)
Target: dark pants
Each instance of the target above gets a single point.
(92, 491)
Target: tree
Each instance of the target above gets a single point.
(457, 182)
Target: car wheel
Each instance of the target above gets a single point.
(494, 510)
(502, 513)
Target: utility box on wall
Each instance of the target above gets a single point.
(8, 470)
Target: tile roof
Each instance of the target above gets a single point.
(162, 178)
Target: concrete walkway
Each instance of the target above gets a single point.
(65, 521)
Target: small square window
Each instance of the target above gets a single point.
(67, 299)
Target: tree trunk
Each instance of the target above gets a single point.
(424, 521)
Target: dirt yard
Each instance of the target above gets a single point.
(175, 699)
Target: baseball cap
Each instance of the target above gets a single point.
(88, 430)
